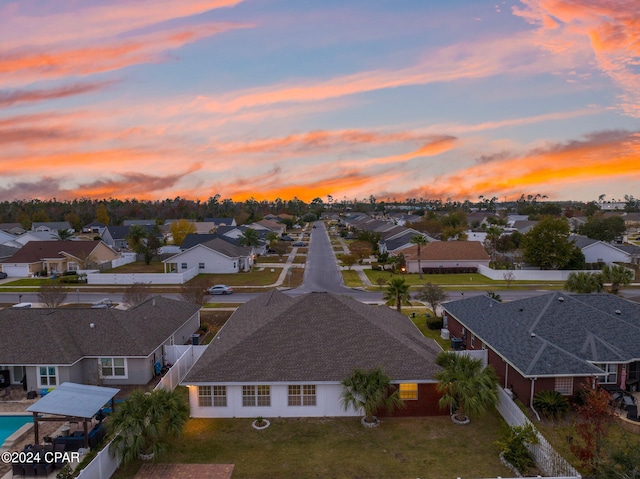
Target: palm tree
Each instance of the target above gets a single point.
(64, 234)
(420, 241)
(466, 385)
(616, 275)
(581, 282)
(397, 293)
(493, 234)
(250, 237)
(146, 422)
(369, 391)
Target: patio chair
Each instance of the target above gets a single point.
(43, 469)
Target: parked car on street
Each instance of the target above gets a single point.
(287, 238)
(220, 289)
(3, 275)
(299, 243)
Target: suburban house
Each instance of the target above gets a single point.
(212, 256)
(91, 345)
(279, 356)
(269, 225)
(116, 236)
(52, 227)
(446, 256)
(94, 227)
(28, 236)
(398, 239)
(57, 257)
(221, 221)
(13, 228)
(552, 342)
(596, 251)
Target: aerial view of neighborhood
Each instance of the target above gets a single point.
(348, 239)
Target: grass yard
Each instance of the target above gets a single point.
(138, 267)
(252, 278)
(341, 448)
(351, 278)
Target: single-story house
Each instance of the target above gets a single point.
(212, 257)
(52, 227)
(13, 228)
(56, 257)
(116, 236)
(92, 345)
(279, 356)
(221, 221)
(94, 227)
(552, 342)
(449, 256)
(28, 236)
(596, 251)
(269, 225)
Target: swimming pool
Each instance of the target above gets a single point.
(10, 424)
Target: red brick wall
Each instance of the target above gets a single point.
(425, 405)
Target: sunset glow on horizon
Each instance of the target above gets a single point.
(156, 99)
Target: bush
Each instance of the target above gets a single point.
(514, 447)
(551, 404)
(69, 279)
(375, 266)
(434, 323)
(70, 273)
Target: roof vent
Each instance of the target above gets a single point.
(92, 325)
(521, 310)
(533, 335)
(561, 299)
(618, 311)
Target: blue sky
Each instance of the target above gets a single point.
(266, 99)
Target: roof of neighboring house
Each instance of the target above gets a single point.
(95, 223)
(7, 251)
(628, 248)
(401, 240)
(269, 224)
(524, 225)
(555, 334)
(36, 251)
(448, 251)
(220, 221)
(63, 336)
(314, 337)
(121, 232)
(582, 241)
(213, 242)
(139, 222)
(12, 227)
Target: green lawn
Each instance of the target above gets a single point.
(341, 448)
(138, 267)
(252, 278)
(351, 278)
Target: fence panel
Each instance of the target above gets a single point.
(103, 465)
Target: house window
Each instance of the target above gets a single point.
(408, 391)
(304, 395)
(564, 386)
(612, 373)
(473, 341)
(256, 395)
(220, 396)
(72, 266)
(183, 265)
(464, 332)
(200, 265)
(48, 376)
(113, 367)
(204, 396)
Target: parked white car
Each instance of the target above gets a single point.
(220, 289)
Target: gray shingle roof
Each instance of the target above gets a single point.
(316, 337)
(555, 334)
(63, 336)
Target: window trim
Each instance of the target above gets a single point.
(606, 369)
(255, 394)
(56, 376)
(113, 367)
(563, 385)
(205, 395)
(306, 395)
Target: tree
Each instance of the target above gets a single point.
(467, 387)
(135, 237)
(195, 291)
(603, 229)
(592, 427)
(493, 234)
(617, 276)
(370, 391)
(271, 237)
(64, 234)
(397, 293)
(495, 296)
(581, 282)
(622, 464)
(280, 247)
(135, 294)
(348, 260)
(101, 214)
(249, 237)
(547, 244)
(361, 249)
(146, 423)
(52, 294)
(180, 229)
(432, 294)
(509, 277)
(419, 241)
(149, 248)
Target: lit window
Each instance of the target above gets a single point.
(256, 395)
(302, 395)
(113, 367)
(408, 391)
(564, 386)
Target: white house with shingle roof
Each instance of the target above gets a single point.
(214, 256)
(279, 356)
(92, 346)
(446, 256)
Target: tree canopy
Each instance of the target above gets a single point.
(548, 246)
(397, 293)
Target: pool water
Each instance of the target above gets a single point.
(10, 424)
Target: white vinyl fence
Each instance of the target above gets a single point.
(547, 459)
(104, 465)
(146, 278)
(528, 274)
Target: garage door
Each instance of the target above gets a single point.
(16, 271)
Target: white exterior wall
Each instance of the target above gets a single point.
(604, 253)
(328, 403)
(412, 265)
(214, 262)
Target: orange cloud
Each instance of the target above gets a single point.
(30, 96)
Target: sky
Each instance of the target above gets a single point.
(330, 99)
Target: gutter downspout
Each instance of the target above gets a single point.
(506, 375)
(533, 382)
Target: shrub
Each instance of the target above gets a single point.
(69, 279)
(514, 446)
(375, 266)
(551, 404)
(434, 323)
